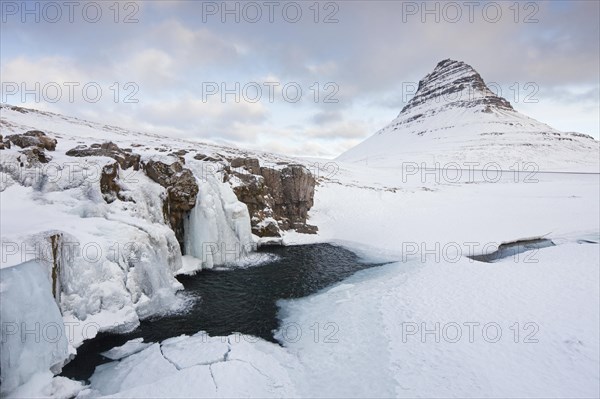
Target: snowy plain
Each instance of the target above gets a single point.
(385, 332)
(523, 326)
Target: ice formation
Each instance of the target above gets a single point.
(218, 228)
(33, 334)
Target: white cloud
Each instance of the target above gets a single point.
(368, 54)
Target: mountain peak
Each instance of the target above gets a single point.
(454, 118)
(455, 84)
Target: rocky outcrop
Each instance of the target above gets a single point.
(181, 189)
(253, 191)
(298, 190)
(33, 138)
(109, 179)
(56, 271)
(18, 109)
(206, 158)
(459, 83)
(180, 154)
(4, 143)
(180, 184)
(250, 164)
(33, 142)
(125, 157)
(277, 199)
(35, 156)
(110, 186)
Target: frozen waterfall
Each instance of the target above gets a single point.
(217, 230)
(33, 333)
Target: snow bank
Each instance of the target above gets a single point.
(465, 329)
(399, 213)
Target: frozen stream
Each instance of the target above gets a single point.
(240, 300)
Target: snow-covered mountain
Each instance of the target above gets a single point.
(454, 120)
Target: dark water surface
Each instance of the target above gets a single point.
(237, 300)
(513, 249)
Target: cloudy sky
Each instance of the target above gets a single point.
(301, 78)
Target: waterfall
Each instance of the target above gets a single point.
(217, 230)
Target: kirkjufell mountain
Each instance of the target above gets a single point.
(454, 118)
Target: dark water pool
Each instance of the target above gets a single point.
(513, 249)
(237, 300)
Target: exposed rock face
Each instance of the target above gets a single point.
(180, 154)
(4, 144)
(33, 138)
(15, 108)
(34, 143)
(206, 158)
(56, 247)
(182, 190)
(125, 157)
(250, 164)
(298, 186)
(256, 195)
(277, 199)
(35, 156)
(109, 183)
(457, 85)
(180, 184)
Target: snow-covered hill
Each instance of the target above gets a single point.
(72, 131)
(106, 211)
(455, 121)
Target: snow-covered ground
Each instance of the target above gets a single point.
(438, 324)
(432, 323)
(461, 329)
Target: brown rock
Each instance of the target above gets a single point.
(35, 156)
(15, 108)
(109, 182)
(306, 228)
(206, 158)
(33, 138)
(298, 192)
(292, 189)
(270, 229)
(249, 164)
(285, 195)
(182, 191)
(180, 154)
(255, 194)
(125, 157)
